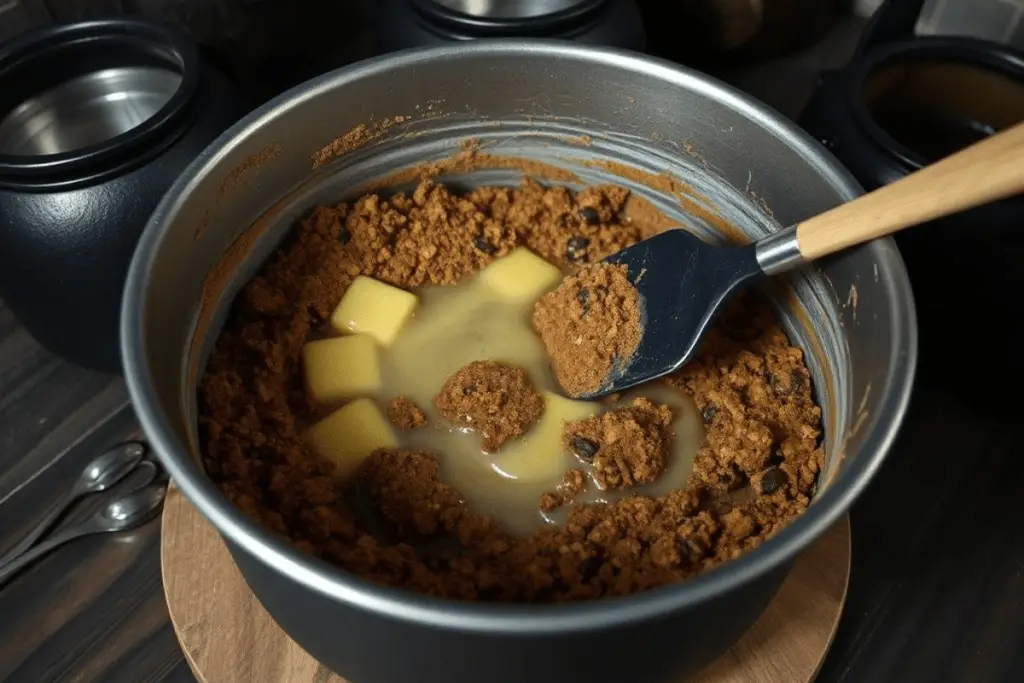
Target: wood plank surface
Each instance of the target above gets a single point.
(92, 611)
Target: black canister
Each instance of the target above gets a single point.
(903, 102)
(96, 120)
(419, 23)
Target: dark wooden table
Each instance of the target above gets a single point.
(937, 591)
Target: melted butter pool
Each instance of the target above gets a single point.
(453, 326)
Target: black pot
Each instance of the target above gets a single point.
(420, 23)
(97, 119)
(901, 103)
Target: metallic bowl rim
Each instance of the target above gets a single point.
(340, 586)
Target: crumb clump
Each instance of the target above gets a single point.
(405, 414)
(628, 446)
(762, 427)
(756, 472)
(590, 325)
(573, 483)
(406, 489)
(495, 399)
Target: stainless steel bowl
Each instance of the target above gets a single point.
(854, 316)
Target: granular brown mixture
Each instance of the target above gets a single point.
(573, 483)
(627, 446)
(496, 400)
(405, 414)
(761, 424)
(755, 473)
(590, 324)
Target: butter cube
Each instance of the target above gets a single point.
(341, 367)
(350, 434)
(522, 276)
(374, 308)
(538, 455)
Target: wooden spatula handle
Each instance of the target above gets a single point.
(989, 170)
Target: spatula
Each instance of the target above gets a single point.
(684, 282)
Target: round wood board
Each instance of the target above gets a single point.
(228, 637)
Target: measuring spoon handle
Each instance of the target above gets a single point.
(18, 563)
(41, 528)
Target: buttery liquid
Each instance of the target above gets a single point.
(453, 326)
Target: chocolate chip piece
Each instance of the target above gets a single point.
(775, 456)
(797, 380)
(772, 480)
(585, 449)
(590, 215)
(590, 567)
(709, 413)
(315, 320)
(436, 563)
(468, 390)
(737, 479)
(583, 296)
(344, 236)
(484, 246)
(576, 248)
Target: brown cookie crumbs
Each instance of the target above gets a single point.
(572, 484)
(252, 402)
(756, 425)
(628, 446)
(551, 501)
(407, 491)
(495, 399)
(405, 414)
(589, 324)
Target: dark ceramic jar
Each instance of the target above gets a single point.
(97, 119)
(420, 23)
(906, 101)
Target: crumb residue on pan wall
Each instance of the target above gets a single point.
(691, 201)
(354, 139)
(862, 411)
(471, 158)
(235, 177)
(252, 162)
(851, 301)
(577, 140)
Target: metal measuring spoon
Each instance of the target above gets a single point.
(143, 475)
(104, 471)
(127, 512)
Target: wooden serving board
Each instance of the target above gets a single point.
(228, 637)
